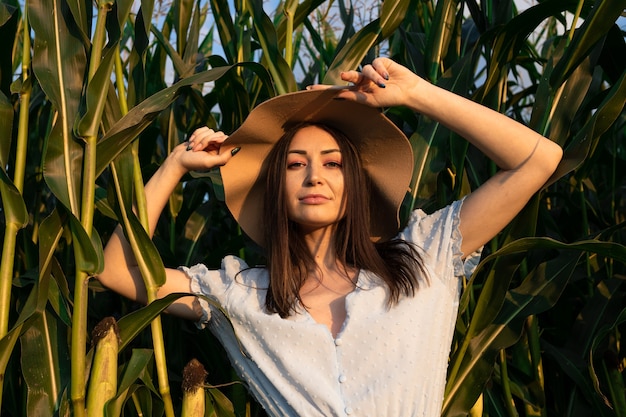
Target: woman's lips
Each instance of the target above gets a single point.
(314, 199)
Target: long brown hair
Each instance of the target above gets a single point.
(289, 260)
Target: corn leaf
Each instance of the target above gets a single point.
(59, 63)
(588, 138)
(45, 363)
(89, 252)
(470, 369)
(351, 55)
(593, 29)
(139, 117)
(279, 68)
(96, 97)
(15, 211)
(131, 371)
(6, 126)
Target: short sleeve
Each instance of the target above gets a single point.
(440, 239)
(213, 283)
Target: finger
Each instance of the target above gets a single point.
(199, 132)
(374, 75)
(353, 77)
(380, 65)
(224, 156)
(195, 136)
(326, 87)
(205, 139)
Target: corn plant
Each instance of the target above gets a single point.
(94, 95)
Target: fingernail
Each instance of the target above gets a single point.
(308, 87)
(381, 85)
(386, 76)
(234, 151)
(189, 147)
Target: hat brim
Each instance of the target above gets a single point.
(384, 150)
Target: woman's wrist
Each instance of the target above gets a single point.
(172, 168)
(421, 96)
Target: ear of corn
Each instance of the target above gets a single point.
(103, 381)
(194, 376)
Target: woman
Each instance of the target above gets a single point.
(344, 319)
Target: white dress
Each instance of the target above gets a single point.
(383, 362)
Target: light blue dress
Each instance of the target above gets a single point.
(383, 362)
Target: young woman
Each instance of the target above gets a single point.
(351, 315)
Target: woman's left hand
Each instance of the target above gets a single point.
(383, 83)
(203, 150)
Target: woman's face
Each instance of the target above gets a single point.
(314, 185)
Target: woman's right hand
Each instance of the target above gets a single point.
(202, 151)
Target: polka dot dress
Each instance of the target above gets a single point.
(383, 362)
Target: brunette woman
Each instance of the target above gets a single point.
(354, 312)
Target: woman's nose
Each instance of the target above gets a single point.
(313, 175)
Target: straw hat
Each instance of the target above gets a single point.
(384, 150)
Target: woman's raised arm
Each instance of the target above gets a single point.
(527, 159)
(121, 273)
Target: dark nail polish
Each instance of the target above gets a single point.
(189, 147)
(381, 85)
(234, 151)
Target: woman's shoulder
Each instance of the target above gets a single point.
(232, 269)
(424, 225)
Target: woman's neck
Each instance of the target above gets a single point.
(321, 244)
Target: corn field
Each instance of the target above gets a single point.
(94, 95)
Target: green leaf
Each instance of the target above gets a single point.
(147, 8)
(6, 128)
(440, 35)
(181, 67)
(89, 252)
(146, 255)
(184, 13)
(195, 227)
(225, 28)
(136, 366)
(32, 309)
(351, 55)
(593, 29)
(511, 37)
(141, 116)
(558, 116)
(600, 338)
(82, 13)
(59, 63)
(305, 8)
(223, 406)
(573, 367)
(132, 324)
(15, 211)
(470, 365)
(130, 372)
(51, 230)
(45, 363)
(587, 138)
(594, 316)
(266, 33)
(471, 368)
(97, 93)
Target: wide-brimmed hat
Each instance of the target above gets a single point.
(385, 152)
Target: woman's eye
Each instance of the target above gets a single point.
(334, 164)
(292, 165)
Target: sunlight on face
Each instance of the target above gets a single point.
(314, 180)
